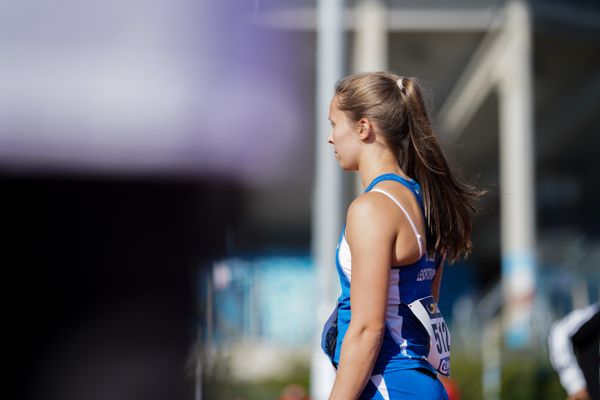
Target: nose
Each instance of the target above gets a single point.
(330, 138)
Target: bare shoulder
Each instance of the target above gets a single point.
(367, 206)
(370, 211)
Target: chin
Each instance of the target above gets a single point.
(348, 167)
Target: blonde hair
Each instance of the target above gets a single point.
(396, 105)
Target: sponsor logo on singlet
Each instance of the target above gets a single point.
(426, 274)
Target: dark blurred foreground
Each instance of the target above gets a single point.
(100, 288)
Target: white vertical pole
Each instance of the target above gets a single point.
(327, 200)
(370, 50)
(517, 161)
(371, 22)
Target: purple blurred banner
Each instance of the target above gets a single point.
(152, 87)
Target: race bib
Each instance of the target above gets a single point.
(427, 311)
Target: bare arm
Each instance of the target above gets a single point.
(370, 237)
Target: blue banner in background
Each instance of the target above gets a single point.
(270, 298)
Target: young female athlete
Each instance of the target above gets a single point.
(414, 214)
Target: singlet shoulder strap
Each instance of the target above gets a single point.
(410, 184)
(412, 224)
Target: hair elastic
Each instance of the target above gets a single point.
(400, 84)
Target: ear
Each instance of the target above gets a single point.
(366, 129)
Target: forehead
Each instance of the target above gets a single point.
(333, 107)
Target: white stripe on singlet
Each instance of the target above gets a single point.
(381, 386)
(414, 228)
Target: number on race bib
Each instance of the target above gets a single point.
(437, 335)
(441, 334)
(446, 336)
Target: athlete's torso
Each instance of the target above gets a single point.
(406, 342)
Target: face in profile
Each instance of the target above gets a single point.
(344, 137)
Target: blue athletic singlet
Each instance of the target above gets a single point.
(401, 367)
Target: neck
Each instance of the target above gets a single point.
(373, 165)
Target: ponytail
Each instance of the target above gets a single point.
(448, 202)
(397, 106)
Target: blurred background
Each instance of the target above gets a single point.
(170, 207)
